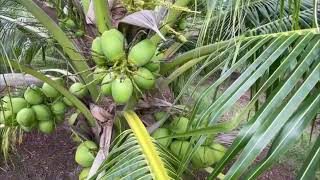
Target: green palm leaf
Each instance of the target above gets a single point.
(311, 164)
(126, 160)
(289, 134)
(134, 155)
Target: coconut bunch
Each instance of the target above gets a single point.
(121, 74)
(85, 155)
(42, 108)
(206, 155)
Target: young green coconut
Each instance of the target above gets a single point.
(162, 132)
(26, 117)
(142, 52)
(154, 64)
(98, 74)
(16, 104)
(58, 108)
(219, 151)
(58, 118)
(86, 153)
(179, 125)
(96, 52)
(107, 83)
(79, 90)
(206, 156)
(43, 112)
(179, 148)
(203, 157)
(121, 89)
(50, 91)
(8, 118)
(33, 95)
(29, 128)
(144, 78)
(46, 127)
(70, 23)
(112, 44)
(183, 24)
(160, 115)
(84, 173)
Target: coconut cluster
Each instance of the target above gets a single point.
(206, 155)
(42, 108)
(120, 74)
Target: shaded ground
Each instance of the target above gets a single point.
(42, 157)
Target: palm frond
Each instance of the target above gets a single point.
(308, 170)
(260, 17)
(127, 160)
(284, 68)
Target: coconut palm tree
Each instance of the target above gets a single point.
(268, 48)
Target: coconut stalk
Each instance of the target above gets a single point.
(102, 15)
(76, 59)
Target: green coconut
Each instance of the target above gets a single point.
(160, 115)
(154, 64)
(112, 44)
(8, 118)
(58, 80)
(142, 52)
(86, 153)
(46, 127)
(97, 53)
(107, 83)
(16, 104)
(183, 24)
(179, 148)
(49, 91)
(179, 125)
(203, 157)
(33, 96)
(219, 151)
(26, 117)
(67, 101)
(70, 23)
(43, 112)
(98, 74)
(29, 128)
(79, 90)
(84, 173)
(59, 118)
(58, 108)
(121, 89)
(79, 33)
(203, 124)
(162, 132)
(144, 78)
